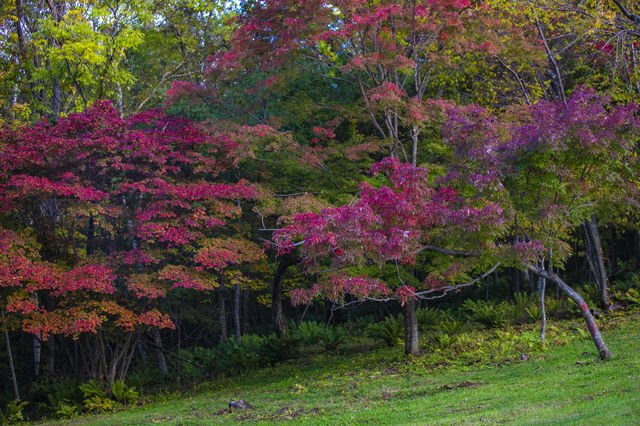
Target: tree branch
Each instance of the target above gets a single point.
(449, 252)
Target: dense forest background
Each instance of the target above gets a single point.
(192, 189)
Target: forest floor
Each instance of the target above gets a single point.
(565, 383)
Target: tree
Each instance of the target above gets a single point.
(568, 160)
(121, 210)
(69, 54)
(393, 225)
(395, 54)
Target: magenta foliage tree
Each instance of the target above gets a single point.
(395, 224)
(563, 164)
(104, 215)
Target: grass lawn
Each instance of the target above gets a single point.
(564, 384)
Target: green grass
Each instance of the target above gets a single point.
(564, 384)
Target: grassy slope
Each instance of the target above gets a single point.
(565, 385)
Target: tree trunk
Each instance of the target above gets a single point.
(222, 315)
(90, 235)
(14, 380)
(542, 284)
(236, 313)
(55, 98)
(636, 248)
(411, 346)
(245, 311)
(37, 349)
(158, 351)
(51, 355)
(58, 11)
(515, 282)
(532, 282)
(612, 257)
(119, 98)
(596, 261)
(603, 351)
(279, 324)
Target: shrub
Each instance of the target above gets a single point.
(390, 330)
(535, 312)
(489, 314)
(451, 326)
(49, 395)
(311, 332)
(631, 297)
(277, 349)
(96, 399)
(123, 393)
(13, 411)
(429, 317)
(333, 338)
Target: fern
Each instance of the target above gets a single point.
(389, 331)
(123, 393)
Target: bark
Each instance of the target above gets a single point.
(279, 324)
(613, 258)
(596, 261)
(603, 351)
(415, 131)
(532, 282)
(542, 284)
(14, 380)
(411, 346)
(245, 311)
(55, 98)
(118, 358)
(37, 350)
(124, 369)
(51, 355)
(20, 34)
(90, 235)
(158, 351)
(515, 282)
(636, 248)
(57, 11)
(236, 313)
(119, 98)
(222, 315)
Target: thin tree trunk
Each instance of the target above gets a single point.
(90, 235)
(51, 355)
(58, 11)
(593, 236)
(14, 380)
(236, 313)
(158, 351)
(55, 98)
(414, 145)
(613, 258)
(245, 311)
(542, 283)
(129, 357)
(76, 360)
(603, 351)
(222, 315)
(37, 349)
(636, 248)
(532, 282)
(279, 324)
(37, 352)
(515, 282)
(411, 341)
(119, 98)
